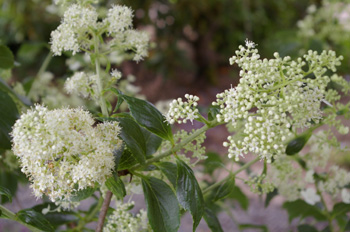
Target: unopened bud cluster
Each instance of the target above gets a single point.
(62, 152)
(181, 111)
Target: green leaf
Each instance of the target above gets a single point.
(238, 195)
(133, 138)
(225, 189)
(116, 185)
(297, 144)
(213, 111)
(300, 208)
(6, 192)
(8, 117)
(269, 197)
(152, 141)
(162, 206)
(82, 194)
(147, 115)
(35, 219)
(306, 228)
(189, 193)
(127, 160)
(29, 50)
(55, 218)
(120, 99)
(6, 57)
(9, 181)
(340, 209)
(6, 88)
(212, 220)
(212, 162)
(251, 226)
(169, 170)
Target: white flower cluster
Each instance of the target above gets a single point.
(123, 221)
(81, 84)
(181, 112)
(62, 152)
(74, 29)
(330, 21)
(274, 97)
(119, 19)
(293, 182)
(80, 25)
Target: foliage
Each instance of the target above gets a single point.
(109, 143)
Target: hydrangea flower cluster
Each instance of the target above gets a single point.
(123, 221)
(181, 111)
(80, 27)
(62, 152)
(275, 97)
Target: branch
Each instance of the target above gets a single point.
(103, 212)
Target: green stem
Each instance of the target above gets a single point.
(328, 214)
(178, 146)
(98, 79)
(90, 216)
(217, 184)
(43, 67)
(11, 216)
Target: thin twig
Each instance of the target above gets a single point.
(103, 212)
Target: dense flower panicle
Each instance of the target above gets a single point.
(61, 152)
(274, 98)
(80, 18)
(181, 111)
(119, 19)
(64, 39)
(80, 23)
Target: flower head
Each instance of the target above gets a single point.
(61, 152)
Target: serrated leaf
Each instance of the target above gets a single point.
(127, 160)
(162, 206)
(300, 208)
(6, 57)
(133, 137)
(82, 194)
(189, 193)
(8, 117)
(212, 220)
(152, 141)
(238, 195)
(306, 228)
(116, 185)
(297, 144)
(33, 218)
(269, 197)
(169, 170)
(147, 115)
(6, 192)
(225, 189)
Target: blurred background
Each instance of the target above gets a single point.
(191, 43)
